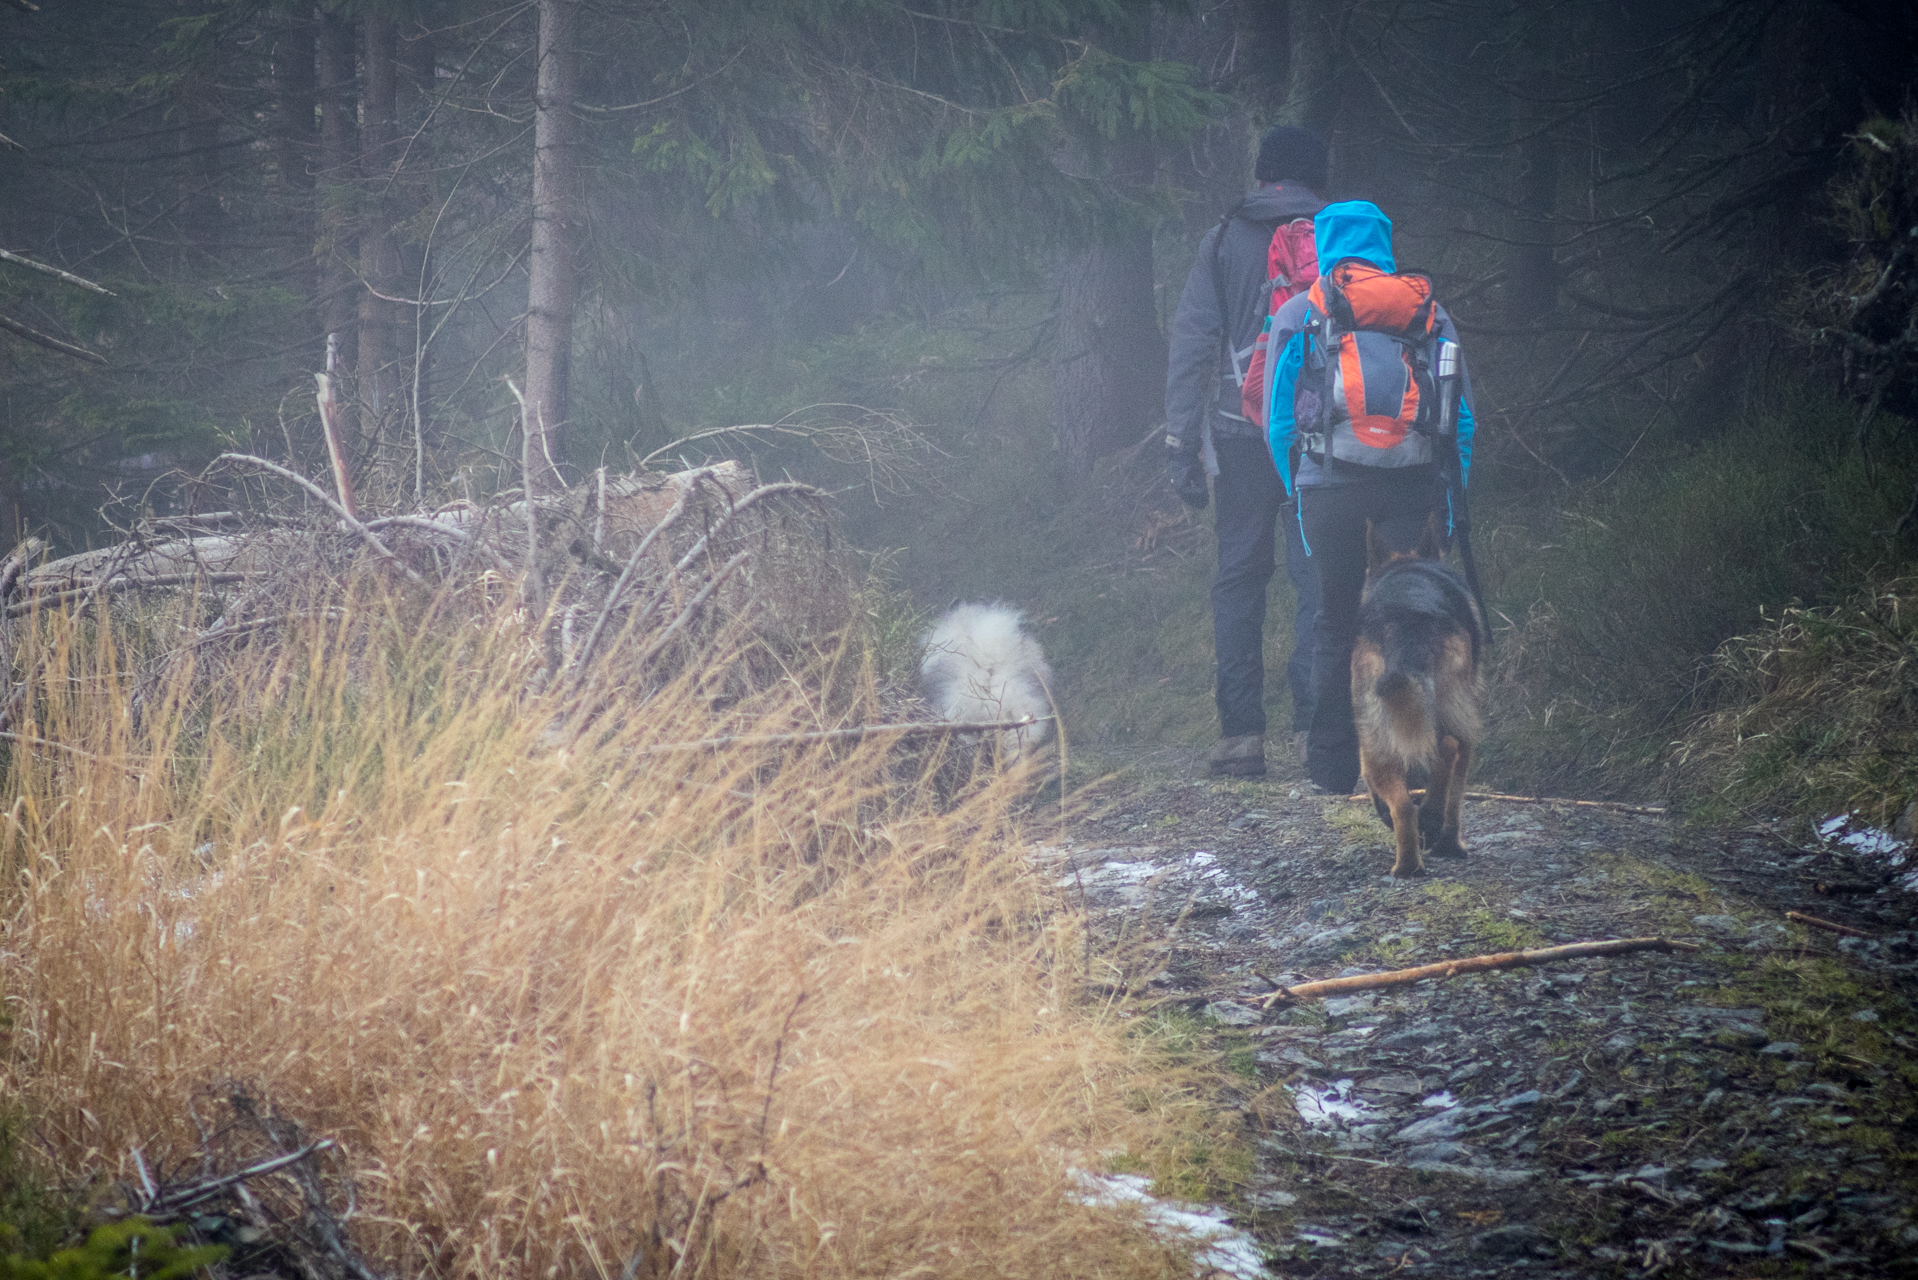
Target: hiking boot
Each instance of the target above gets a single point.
(1241, 757)
(1333, 767)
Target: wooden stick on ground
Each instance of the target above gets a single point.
(1616, 806)
(1472, 964)
(1827, 925)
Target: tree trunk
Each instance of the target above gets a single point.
(379, 352)
(1314, 81)
(201, 216)
(1109, 370)
(13, 512)
(1533, 256)
(338, 173)
(553, 268)
(1109, 360)
(294, 87)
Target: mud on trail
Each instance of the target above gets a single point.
(1746, 1109)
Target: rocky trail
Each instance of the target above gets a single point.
(1745, 1109)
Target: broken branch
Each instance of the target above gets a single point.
(1472, 964)
(346, 517)
(329, 407)
(692, 606)
(1827, 925)
(55, 272)
(119, 582)
(50, 342)
(922, 729)
(679, 507)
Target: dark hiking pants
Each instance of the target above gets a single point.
(1251, 505)
(1334, 518)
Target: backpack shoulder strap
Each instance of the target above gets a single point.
(1218, 261)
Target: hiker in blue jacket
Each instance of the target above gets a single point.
(1334, 497)
(1221, 313)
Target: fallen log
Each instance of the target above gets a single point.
(1471, 964)
(655, 564)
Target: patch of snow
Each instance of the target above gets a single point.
(1849, 830)
(1112, 873)
(1329, 1105)
(1223, 1247)
(1440, 1100)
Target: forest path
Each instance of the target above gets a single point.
(1746, 1109)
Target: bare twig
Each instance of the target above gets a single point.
(1827, 925)
(1615, 806)
(111, 586)
(146, 1179)
(30, 741)
(599, 511)
(1472, 964)
(692, 606)
(319, 1218)
(220, 632)
(427, 524)
(351, 521)
(779, 1048)
(50, 342)
(178, 1201)
(917, 729)
(56, 273)
(743, 429)
(693, 481)
(718, 527)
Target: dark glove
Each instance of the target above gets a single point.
(1187, 475)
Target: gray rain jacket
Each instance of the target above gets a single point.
(1202, 385)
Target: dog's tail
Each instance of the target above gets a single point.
(1410, 701)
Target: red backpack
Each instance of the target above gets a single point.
(1291, 267)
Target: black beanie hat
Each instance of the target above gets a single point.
(1288, 151)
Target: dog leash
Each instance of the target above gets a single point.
(1462, 524)
(1449, 386)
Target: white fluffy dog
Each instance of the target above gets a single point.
(981, 665)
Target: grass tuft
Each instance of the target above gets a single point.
(1818, 712)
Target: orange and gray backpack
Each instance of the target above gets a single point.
(1368, 394)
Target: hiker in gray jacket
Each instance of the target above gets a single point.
(1220, 315)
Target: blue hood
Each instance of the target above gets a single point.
(1354, 229)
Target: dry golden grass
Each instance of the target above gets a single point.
(736, 1013)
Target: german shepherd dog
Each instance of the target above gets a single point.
(1415, 691)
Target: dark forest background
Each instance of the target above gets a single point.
(934, 243)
